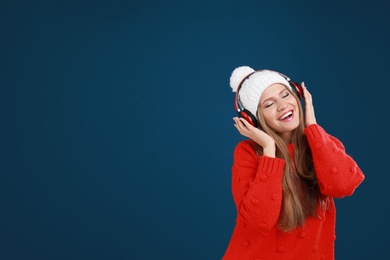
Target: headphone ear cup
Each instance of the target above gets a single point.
(249, 117)
(297, 88)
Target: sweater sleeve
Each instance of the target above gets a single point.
(337, 173)
(257, 186)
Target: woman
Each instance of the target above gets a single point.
(285, 177)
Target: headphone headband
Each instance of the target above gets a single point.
(252, 119)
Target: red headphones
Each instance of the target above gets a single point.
(246, 114)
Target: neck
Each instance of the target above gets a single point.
(286, 137)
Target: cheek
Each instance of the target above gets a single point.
(293, 101)
(268, 116)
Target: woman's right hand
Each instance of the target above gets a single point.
(257, 135)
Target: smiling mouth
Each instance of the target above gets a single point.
(286, 116)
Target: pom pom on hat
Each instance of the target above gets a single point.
(238, 75)
(252, 88)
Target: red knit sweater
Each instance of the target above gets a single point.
(257, 193)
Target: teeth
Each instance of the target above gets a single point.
(286, 115)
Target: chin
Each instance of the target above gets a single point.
(295, 126)
(291, 128)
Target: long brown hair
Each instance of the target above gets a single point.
(301, 194)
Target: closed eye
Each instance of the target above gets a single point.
(286, 94)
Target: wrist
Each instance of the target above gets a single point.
(270, 151)
(311, 122)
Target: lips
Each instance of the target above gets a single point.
(286, 116)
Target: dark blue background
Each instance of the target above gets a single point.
(116, 120)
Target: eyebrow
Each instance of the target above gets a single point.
(273, 97)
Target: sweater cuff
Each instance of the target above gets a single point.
(271, 166)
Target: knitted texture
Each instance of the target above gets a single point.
(252, 88)
(257, 193)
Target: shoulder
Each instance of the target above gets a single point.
(246, 147)
(246, 144)
(316, 133)
(337, 142)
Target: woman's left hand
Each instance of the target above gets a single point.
(310, 117)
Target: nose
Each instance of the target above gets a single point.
(282, 105)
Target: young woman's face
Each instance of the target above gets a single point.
(280, 109)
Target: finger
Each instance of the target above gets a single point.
(243, 127)
(238, 124)
(303, 85)
(237, 121)
(244, 122)
(306, 92)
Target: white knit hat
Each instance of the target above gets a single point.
(253, 87)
